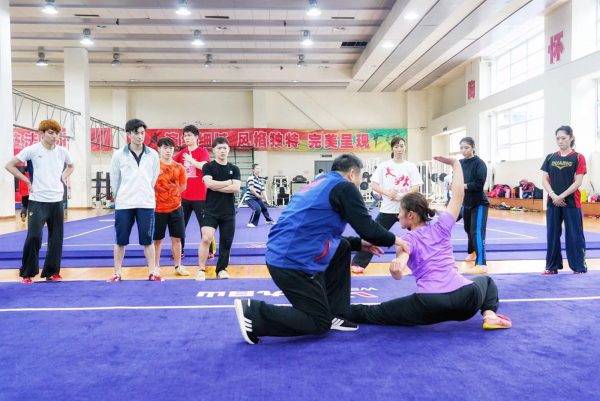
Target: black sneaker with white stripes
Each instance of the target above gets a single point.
(242, 311)
(343, 325)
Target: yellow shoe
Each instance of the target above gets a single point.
(471, 257)
(497, 322)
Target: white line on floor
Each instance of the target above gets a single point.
(502, 231)
(84, 233)
(166, 307)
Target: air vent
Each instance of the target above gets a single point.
(87, 15)
(342, 17)
(354, 44)
(216, 16)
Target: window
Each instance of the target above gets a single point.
(454, 143)
(518, 64)
(598, 24)
(519, 131)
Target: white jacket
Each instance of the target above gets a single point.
(133, 185)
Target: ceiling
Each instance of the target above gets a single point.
(257, 43)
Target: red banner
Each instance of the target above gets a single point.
(101, 139)
(276, 139)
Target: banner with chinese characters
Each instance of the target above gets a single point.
(278, 139)
(100, 137)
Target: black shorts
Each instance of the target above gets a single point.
(173, 220)
(210, 220)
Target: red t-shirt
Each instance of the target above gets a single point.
(196, 190)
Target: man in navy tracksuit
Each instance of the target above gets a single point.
(309, 260)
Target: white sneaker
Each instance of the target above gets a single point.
(271, 222)
(181, 270)
(250, 225)
(201, 275)
(223, 275)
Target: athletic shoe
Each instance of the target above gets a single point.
(271, 222)
(211, 256)
(250, 225)
(23, 217)
(471, 257)
(181, 270)
(223, 275)
(26, 280)
(343, 325)
(54, 277)
(497, 322)
(357, 269)
(155, 277)
(242, 312)
(114, 279)
(549, 272)
(182, 254)
(201, 275)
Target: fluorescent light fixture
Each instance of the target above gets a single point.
(182, 8)
(49, 8)
(87, 37)
(387, 44)
(41, 61)
(197, 38)
(313, 9)
(307, 41)
(410, 16)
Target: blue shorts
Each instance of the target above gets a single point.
(124, 219)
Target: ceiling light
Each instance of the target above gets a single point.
(134, 80)
(307, 41)
(87, 37)
(388, 44)
(221, 28)
(295, 81)
(182, 8)
(214, 80)
(313, 9)
(410, 16)
(301, 62)
(116, 60)
(338, 28)
(49, 8)
(41, 61)
(197, 39)
(208, 61)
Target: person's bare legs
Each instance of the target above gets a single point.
(207, 235)
(157, 252)
(176, 250)
(118, 255)
(150, 257)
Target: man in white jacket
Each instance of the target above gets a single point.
(134, 170)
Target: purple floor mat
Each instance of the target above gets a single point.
(189, 346)
(89, 242)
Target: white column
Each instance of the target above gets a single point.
(120, 102)
(77, 97)
(7, 195)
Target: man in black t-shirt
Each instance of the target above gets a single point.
(222, 180)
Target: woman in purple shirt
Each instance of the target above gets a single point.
(443, 294)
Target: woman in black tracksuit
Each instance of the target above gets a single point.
(475, 203)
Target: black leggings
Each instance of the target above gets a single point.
(422, 309)
(475, 220)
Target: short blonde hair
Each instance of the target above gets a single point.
(49, 124)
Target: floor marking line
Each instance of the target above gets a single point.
(167, 307)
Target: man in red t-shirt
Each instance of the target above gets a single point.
(193, 158)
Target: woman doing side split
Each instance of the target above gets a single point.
(475, 203)
(563, 174)
(443, 294)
